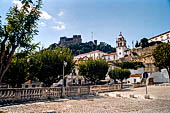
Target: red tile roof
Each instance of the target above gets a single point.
(92, 52)
(136, 75)
(114, 53)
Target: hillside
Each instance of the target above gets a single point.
(88, 47)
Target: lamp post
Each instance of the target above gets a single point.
(63, 90)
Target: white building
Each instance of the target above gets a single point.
(93, 54)
(110, 57)
(135, 78)
(164, 37)
(157, 77)
(121, 48)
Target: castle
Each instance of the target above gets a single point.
(64, 41)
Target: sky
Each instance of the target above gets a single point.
(105, 18)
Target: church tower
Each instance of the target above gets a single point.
(121, 46)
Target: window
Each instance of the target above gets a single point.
(134, 80)
(26, 86)
(167, 36)
(74, 81)
(108, 57)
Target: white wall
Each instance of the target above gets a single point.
(160, 76)
(131, 80)
(139, 70)
(162, 38)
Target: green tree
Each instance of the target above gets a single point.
(47, 65)
(144, 42)
(17, 72)
(129, 65)
(18, 32)
(162, 56)
(137, 44)
(87, 47)
(119, 74)
(93, 70)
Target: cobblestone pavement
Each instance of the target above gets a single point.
(104, 103)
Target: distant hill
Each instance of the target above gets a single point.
(87, 47)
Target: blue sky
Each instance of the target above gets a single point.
(105, 18)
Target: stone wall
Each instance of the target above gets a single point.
(33, 94)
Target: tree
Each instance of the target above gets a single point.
(93, 70)
(87, 47)
(17, 72)
(162, 56)
(119, 74)
(144, 42)
(18, 32)
(137, 44)
(129, 65)
(47, 65)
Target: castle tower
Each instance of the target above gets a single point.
(121, 46)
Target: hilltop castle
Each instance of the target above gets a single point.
(64, 41)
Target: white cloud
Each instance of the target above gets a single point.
(59, 26)
(42, 24)
(61, 13)
(17, 3)
(45, 15)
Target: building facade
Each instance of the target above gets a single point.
(164, 37)
(110, 57)
(93, 54)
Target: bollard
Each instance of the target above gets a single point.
(147, 96)
(131, 96)
(118, 95)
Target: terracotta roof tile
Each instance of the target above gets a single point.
(136, 75)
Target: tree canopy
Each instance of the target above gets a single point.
(129, 65)
(18, 32)
(93, 70)
(119, 74)
(144, 42)
(47, 65)
(162, 56)
(87, 47)
(18, 71)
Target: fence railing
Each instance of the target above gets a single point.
(28, 94)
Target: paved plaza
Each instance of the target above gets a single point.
(103, 103)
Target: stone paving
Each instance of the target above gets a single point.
(103, 103)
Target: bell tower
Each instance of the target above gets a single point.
(121, 46)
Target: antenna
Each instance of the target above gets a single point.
(92, 35)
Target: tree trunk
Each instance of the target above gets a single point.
(3, 70)
(169, 74)
(168, 70)
(121, 84)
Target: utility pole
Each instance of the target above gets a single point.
(63, 89)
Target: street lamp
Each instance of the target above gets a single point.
(63, 90)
